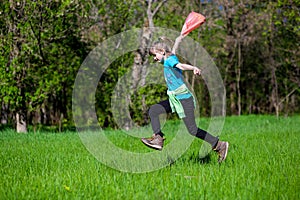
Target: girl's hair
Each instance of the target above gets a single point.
(163, 46)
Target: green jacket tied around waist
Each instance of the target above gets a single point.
(175, 103)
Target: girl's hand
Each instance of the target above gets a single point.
(197, 71)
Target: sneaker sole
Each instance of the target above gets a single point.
(227, 146)
(153, 146)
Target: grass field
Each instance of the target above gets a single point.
(263, 163)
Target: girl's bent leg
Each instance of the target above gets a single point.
(154, 112)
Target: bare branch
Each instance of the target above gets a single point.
(149, 7)
(151, 14)
(158, 7)
(287, 96)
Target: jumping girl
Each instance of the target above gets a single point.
(180, 100)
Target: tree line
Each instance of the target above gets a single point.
(255, 45)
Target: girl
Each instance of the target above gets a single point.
(180, 100)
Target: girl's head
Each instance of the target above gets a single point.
(160, 50)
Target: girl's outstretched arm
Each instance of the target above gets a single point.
(182, 66)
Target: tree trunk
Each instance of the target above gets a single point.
(140, 58)
(139, 72)
(238, 78)
(274, 93)
(4, 114)
(15, 54)
(140, 61)
(21, 122)
(232, 95)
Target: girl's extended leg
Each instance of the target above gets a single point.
(190, 123)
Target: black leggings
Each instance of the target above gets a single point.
(189, 120)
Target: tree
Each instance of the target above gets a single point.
(43, 43)
(42, 52)
(282, 36)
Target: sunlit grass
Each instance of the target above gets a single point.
(263, 163)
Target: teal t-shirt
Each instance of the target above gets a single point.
(173, 76)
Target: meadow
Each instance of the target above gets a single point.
(262, 163)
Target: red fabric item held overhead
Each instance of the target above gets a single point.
(193, 21)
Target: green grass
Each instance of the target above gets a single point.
(263, 163)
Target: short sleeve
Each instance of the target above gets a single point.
(171, 61)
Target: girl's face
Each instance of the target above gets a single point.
(159, 57)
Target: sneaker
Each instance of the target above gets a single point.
(155, 142)
(222, 149)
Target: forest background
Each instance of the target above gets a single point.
(255, 45)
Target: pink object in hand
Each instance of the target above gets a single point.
(193, 21)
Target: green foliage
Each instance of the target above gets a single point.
(46, 61)
(43, 44)
(143, 99)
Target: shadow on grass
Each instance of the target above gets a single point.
(194, 158)
(40, 128)
(5, 127)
